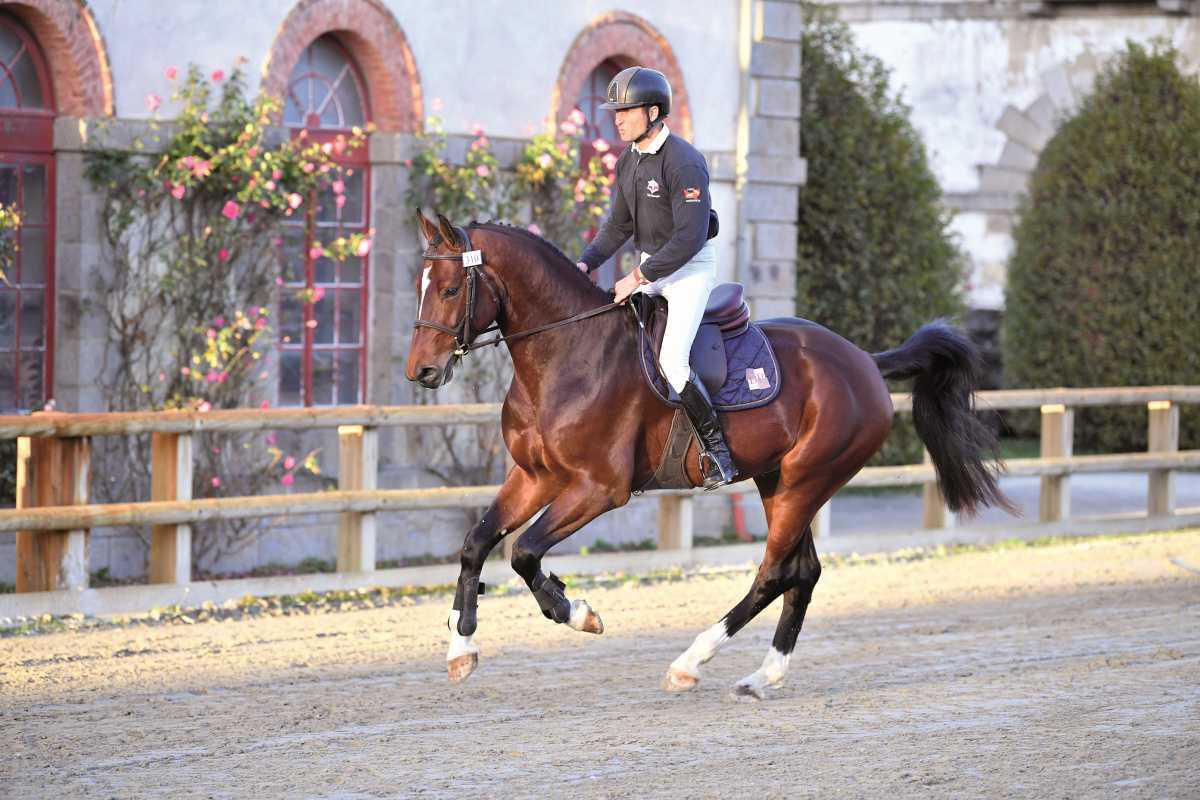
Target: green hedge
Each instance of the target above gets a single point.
(1102, 282)
(876, 258)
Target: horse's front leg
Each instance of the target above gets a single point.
(578, 505)
(520, 497)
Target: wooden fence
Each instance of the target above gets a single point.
(53, 514)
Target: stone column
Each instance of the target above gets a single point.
(771, 170)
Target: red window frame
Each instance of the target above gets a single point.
(27, 138)
(358, 162)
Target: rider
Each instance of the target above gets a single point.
(662, 200)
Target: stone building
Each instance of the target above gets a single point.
(73, 67)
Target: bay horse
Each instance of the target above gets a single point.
(585, 430)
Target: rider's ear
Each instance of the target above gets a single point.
(446, 227)
(428, 229)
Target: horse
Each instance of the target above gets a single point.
(585, 431)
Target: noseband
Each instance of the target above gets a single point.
(472, 261)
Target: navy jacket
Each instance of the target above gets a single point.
(662, 200)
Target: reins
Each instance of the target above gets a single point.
(472, 261)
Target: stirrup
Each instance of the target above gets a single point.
(714, 476)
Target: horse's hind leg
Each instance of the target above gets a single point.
(783, 568)
(806, 571)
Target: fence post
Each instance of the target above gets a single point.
(822, 522)
(358, 468)
(1058, 436)
(170, 479)
(934, 513)
(52, 472)
(1163, 438)
(675, 522)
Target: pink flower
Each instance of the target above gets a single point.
(577, 117)
(309, 166)
(327, 148)
(482, 171)
(231, 210)
(271, 438)
(216, 482)
(204, 407)
(579, 198)
(289, 462)
(569, 128)
(408, 162)
(279, 281)
(219, 322)
(264, 405)
(600, 146)
(479, 143)
(252, 310)
(270, 186)
(545, 160)
(318, 294)
(253, 152)
(178, 190)
(223, 255)
(534, 229)
(153, 101)
(340, 201)
(211, 333)
(364, 247)
(277, 241)
(476, 129)
(338, 186)
(287, 480)
(609, 161)
(185, 371)
(218, 75)
(316, 251)
(222, 376)
(276, 174)
(211, 376)
(294, 200)
(172, 73)
(260, 323)
(201, 168)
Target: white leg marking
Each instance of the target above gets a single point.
(459, 645)
(424, 289)
(771, 673)
(685, 670)
(584, 619)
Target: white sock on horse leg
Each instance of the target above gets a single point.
(459, 645)
(703, 649)
(771, 673)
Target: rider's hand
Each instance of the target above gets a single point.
(582, 267)
(626, 286)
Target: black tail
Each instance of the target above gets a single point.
(946, 367)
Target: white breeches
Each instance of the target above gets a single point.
(687, 290)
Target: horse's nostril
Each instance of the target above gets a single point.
(428, 377)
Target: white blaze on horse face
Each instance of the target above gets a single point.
(424, 288)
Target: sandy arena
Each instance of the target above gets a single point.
(1054, 672)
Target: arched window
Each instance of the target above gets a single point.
(323, 344)
(600, 124)
(26, 181)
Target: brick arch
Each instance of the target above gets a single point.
(628, 40)
(373, 37)
(75, 54)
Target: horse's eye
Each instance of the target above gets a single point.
(453, 290)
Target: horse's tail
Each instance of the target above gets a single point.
(945, 366)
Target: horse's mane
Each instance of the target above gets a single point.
(554, 255)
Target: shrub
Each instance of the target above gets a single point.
(1101, 284)
(875, 258)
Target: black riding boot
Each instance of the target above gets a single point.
(715, 460)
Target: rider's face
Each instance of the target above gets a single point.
(632, 122)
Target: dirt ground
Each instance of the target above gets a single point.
(1054, 672)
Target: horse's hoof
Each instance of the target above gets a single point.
(677, 681)
(745, 693)
(458, 669)
(584, 619)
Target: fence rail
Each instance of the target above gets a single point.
(53, 514)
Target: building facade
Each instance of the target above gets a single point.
(75, 68)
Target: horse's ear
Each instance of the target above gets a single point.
(428, 229)
(446, 228)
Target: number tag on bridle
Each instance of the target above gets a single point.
(473, 258)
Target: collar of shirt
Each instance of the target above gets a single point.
(655, 144)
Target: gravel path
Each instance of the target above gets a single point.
(1068, 671)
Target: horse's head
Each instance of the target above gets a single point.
(456, 302)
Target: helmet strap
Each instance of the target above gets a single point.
(651, 127)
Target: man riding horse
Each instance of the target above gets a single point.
(662, 200)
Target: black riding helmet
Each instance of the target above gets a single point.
(639, 86)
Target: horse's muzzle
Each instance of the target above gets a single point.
(432, 377)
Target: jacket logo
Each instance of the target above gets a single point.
(652, 188)
(691, 195)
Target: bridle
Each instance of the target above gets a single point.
(472, 261)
